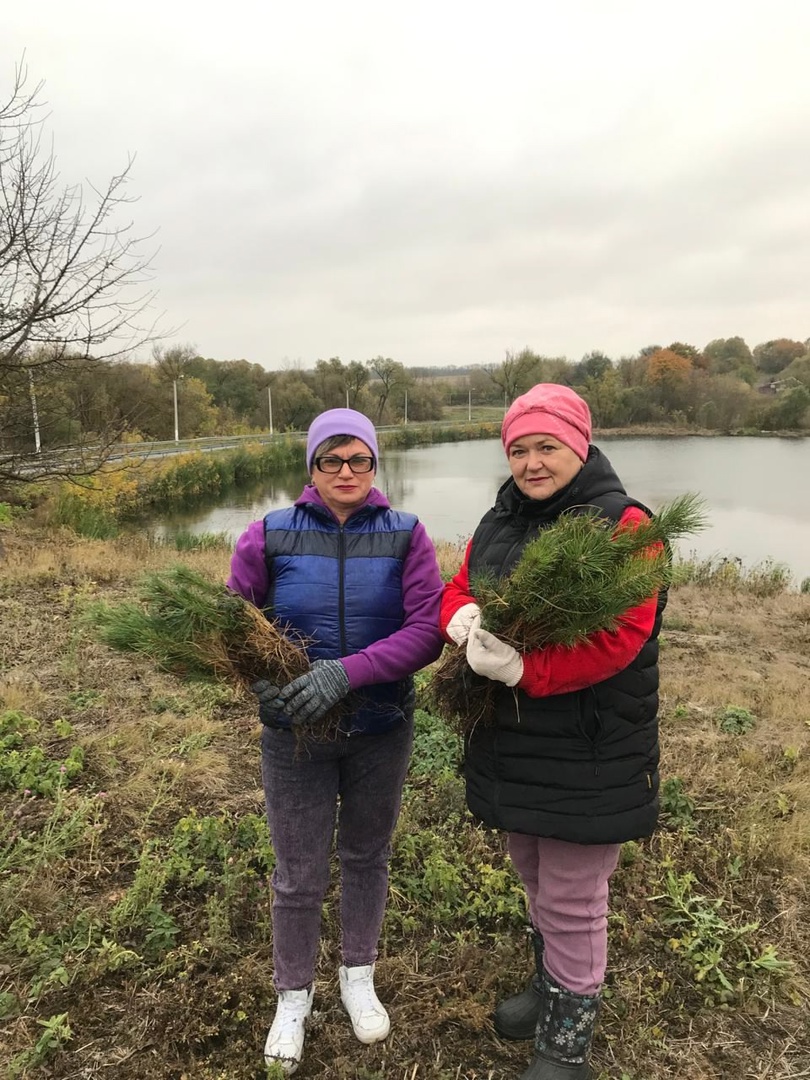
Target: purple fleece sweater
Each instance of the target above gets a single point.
(410, 648)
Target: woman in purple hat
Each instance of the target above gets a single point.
(569, 769)
(361, 581)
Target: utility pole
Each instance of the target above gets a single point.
(469, 404)
(34, 411)
(406, 406)
(270, 407)
(176, 419)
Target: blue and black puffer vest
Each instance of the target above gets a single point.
(341, 587)
(581, 766)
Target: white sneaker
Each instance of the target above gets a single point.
(369, 1018)
(285, 1039)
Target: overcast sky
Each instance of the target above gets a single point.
(440, 182)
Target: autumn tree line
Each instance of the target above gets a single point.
(725, 387)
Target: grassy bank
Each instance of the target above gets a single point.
(135, 935)
(95, 506)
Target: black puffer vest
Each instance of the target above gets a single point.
(582, 766)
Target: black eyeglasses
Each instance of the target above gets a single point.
(331, 463)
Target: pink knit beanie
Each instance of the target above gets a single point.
(549, 409)
(340, 422)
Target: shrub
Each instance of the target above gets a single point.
(676, 804)
(735, 720)
(764, 579)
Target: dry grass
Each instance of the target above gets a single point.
(161, 748)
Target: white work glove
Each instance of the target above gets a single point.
(467, 618)
(487, 655)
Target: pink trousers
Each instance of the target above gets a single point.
(567, 887)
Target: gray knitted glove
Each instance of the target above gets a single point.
(270, 704)
(306, 699)
(265, 691)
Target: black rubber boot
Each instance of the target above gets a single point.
(516, 1018)
(564, 1033)
(545, 1069)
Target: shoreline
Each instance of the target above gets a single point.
(641, 431)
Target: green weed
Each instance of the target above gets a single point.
(83, 699)
(430, 873)
(72, 824)
(28, 768)
(676, 804)
(56, 1033)
(225, 859)
(436, 747)
(735, 720)
(716, 950)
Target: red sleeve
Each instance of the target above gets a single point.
(456, 594)
(559, 669)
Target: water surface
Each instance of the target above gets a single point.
(757, 491)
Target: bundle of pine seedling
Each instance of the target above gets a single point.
(197, 628)
(577, 577)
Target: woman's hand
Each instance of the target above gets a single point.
(270, 704)
(487, 655)
(307, 698)
(467, 618)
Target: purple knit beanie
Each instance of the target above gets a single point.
(549, 409)
(340, 422)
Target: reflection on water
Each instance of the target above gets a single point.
(757, 491)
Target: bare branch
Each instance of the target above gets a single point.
(74, 275)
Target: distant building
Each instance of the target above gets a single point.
(777, 386)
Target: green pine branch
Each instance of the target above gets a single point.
(191, 626)
(577, 577)
(581, 574)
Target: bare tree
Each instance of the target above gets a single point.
(171, 365)
(513, 376)
(172, 362)
(73, 285)
(356, 376)
(390, 375)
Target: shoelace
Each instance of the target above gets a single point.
(293, 1012)
(290, 1014)
(362, 995)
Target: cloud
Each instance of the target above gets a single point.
(440, 183)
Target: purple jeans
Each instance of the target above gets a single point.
(567, 887)
(356, 781)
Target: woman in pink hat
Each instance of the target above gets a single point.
(569, 770)
(360, 582)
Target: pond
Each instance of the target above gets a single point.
(756, 489)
